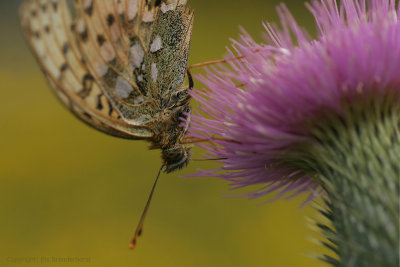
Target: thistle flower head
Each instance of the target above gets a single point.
(259, 111)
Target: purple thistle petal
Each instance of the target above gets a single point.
(259, 107)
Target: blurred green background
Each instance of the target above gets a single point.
(67, 190)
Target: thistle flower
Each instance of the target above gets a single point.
(301, 115)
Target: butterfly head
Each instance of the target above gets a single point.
(176, 157)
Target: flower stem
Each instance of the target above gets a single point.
(358, 164)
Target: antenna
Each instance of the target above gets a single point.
(139, 227)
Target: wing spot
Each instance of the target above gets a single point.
(87, 82)
(44, 7)
(110, 20)
(84, 35)
(89, 7)
(110, 111)
(34, 13)
(65, 48)
(148, 16)
(47, 29)
(87, 115)
(55, 6)
(122, 89)
(156, 44)
(100, 39)
(165, 8)
(80, 28)
(137, 55)
(64, 67)
(99, 105)
(132, 41)
(132, 9)
(101, 68)
(107, 52)
(36, 34)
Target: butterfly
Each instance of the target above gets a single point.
(119, 66)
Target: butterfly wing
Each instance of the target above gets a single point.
(142, 51)
(47, 25)
(118, 65)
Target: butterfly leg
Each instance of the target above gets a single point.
(190, 78)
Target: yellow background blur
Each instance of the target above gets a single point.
(67, 190)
